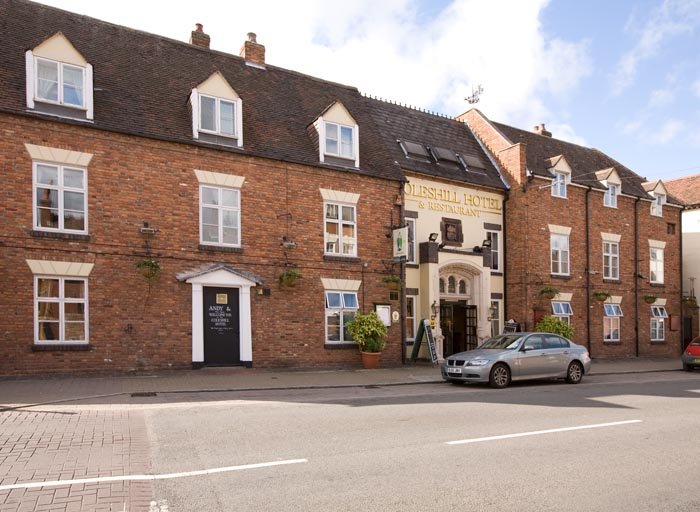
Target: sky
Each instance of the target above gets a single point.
(621, 76)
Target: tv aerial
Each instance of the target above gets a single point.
(474, 98)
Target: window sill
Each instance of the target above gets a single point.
(412, 265)
(658, 342)
(657, 285)
(611, 281)
(496, 273)
(605, 342)
(59, 235)
(340, 346)
(560, 276)
(60, 347)
(220, 248)
(344, 259)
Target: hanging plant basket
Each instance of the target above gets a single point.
(650, 299)
(549, 292)
(290, 277)
(690, 301)
(392, 282)
(149, 268)
(601, 296)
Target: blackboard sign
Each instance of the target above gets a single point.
(511, 326)
(424, 330)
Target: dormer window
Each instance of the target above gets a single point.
(657, 205)
(61, 83)
(610, 199)
(338, 136)
(340, 141)
(559, 184)
(217, 116)
(561, 175)
(59, 79)
(217, 112)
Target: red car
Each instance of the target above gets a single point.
(691, 355)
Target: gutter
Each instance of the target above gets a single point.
(636, 276)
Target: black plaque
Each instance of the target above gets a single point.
(221, 326)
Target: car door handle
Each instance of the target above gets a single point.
(566, 352)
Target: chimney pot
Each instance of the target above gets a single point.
(198, 37)
(252, 51)
(541, 130)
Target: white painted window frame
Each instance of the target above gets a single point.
(60, 188)
(355, 138)
(656, 266)
(610, 196)
(61, 300)
(611, 322)
(657, 205)
(560, 252)
(559, 183)
(60, 66)
(562, 309)
(217, 115)
(413, 245)
(612, 270)
(220, 208)
(497, 322)
(414, 323)
(342, 309)
(490, 234)
(340, 223)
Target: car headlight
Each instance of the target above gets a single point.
(477, 362)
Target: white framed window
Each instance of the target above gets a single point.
(611, 322)
(559, 245)
(610, 197)
(656, 265)
(493, 237)
(59, 83)
(340, 140)
(412, 246)
(562, 310)
(60, 310)
(411, 317)
(340, 229)
(495, 317)
(658, 320)
(217, 116)
(341, 307)
(60, 198)
(559, 184)
(611, 260)
(657, 205)
(219, 216)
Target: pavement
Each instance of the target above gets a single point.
(18, 393)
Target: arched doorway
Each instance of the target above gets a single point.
(459, 288)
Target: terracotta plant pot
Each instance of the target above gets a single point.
(370, 360)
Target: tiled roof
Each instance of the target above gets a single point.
(142, 83)
(584, 162)
(686, 190)
(398, 123)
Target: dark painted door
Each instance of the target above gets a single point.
(221, 326)
(471, 340)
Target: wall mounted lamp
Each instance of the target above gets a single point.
(434, 308)
(433, 237)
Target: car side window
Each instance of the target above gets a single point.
(533, 343)
(553, 342)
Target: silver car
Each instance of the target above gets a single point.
(519, 356)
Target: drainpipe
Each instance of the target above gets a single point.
(636, 276)
(588, 275)
(680, 290)
(505, 259)
(402, 288)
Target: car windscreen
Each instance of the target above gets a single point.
(503, 342)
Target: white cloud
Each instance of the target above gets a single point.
(671, 18)
(388, 48)
(668, 131)
(661, 97)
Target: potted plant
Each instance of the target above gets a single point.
(149, 268)
(290, 277)
(369, 333)
(690, 301)
(601, 296)
(549, 292)
(649, 299)
(392, 282)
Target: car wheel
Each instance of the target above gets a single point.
(575, 373)
(499, 377)
(687, 367)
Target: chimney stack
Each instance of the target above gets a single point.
(539, 129)
(252, 51)
(198, 37)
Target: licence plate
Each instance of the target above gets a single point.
(454, 370)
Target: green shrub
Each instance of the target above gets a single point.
(368, 331)
(555, 325)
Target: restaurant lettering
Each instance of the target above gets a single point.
(451, 201)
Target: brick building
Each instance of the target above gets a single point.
(580, 222)
(155, 192)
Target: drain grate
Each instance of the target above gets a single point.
(144, 394)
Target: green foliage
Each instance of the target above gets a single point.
(392, 279)
(149, 268)
(650, 299)
(289, 277)
(548, 291)
(555, 325)
(368, 331)
(601, 296)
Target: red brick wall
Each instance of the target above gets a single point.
(132, 180)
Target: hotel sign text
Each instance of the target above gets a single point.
(451, 201)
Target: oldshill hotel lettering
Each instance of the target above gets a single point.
(452, 201)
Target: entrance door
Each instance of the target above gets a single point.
(471, 340)
(221, 326)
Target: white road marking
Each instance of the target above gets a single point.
(540, 432)
(165, 476)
